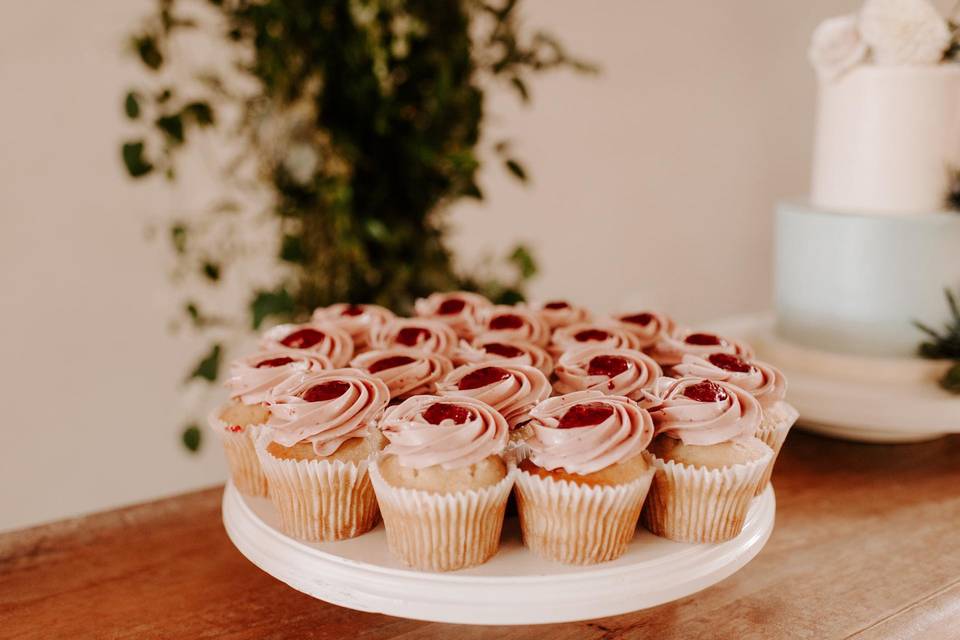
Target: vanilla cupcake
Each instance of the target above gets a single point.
(670, 349)
(580, 491)
(356, 319)
(316, 451)
(602, 333)
(765, 382)
(327, 339)
(407, 372)
(415, 333)
(647, 326)
(614, 372)
(503, 350)
(441, 481)
(511, 389)
(461, 310)
(240, 422)
(503, 322)
(709, 463)
(560, 313)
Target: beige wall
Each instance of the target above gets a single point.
(652, 183)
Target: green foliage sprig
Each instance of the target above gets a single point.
(945, 344)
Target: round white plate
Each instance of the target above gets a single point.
(514, 587)
(854, 398)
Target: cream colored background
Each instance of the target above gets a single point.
(652, 183)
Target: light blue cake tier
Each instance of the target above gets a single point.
(853, 283)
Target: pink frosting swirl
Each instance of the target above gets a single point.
(511, 389)
(765, 382)
(324, 338)
(594, 334)
(670, 349)
(461, 310)
(702, 412)
(326, 408)
(586, 431)
(454, 432)
(355, 319)
(647, 326)
(415, 333)
(493, 349)
(560, 313)
(615, 372)
(407, 372)
(503, 322)
(252, 378)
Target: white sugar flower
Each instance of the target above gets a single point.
(904, 31)
(836, 47)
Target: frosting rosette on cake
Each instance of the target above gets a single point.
(647, 326)
(324, 338)
(407, 372)
(511, 389)
(355, 319)
(670, 349)
(461, 310)
(595, 334)
(252, 378)
(454, 432)
(492, 349)
(615, 372)
(325, 408)
(703, 412)
(765, 382)
(415, 333)
(503, 322)
(560, 313)
(586, 431)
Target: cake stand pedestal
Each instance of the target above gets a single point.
(514, 587)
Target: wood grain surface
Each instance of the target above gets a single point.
(866, 546)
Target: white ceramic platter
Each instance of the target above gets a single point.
(514, 587)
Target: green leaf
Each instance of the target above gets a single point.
(194, 312)
(211, 270)
(137, 166)
(270, 303)
(509, 296)
(209, 366)
(178, 236)
(472, 190)
(291, 249)
(131, 105)
(172, 126)
(516, 169)
(524, 261)
(521, 88)
(951, 379)
(146, 47)
(191, 438)
(377, 230)
(200, 113)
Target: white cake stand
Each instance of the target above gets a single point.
(514, 587)
(877, 400)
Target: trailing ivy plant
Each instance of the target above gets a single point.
(341, 131)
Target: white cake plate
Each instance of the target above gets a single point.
(514, 587)
(854, 398)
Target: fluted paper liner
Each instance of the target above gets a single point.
(241, 452)
(697, 504)
(577, 523)
(319, 500)
(442, 531)
(773, 432)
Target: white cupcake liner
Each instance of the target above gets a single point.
(319, 500)
(773, 431)
(241, 452)
(577, 523)
(442, 531)
(697, 504)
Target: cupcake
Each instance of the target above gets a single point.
(441, 481)
(580, 491)
(415, 333)
(492, 349)
(239, 423)
(407, 372)
(560, 313)
(595, 334)
(355, 319)
(765, 382)
(503, 322)
(614, 372)
(647, 326)
(709, 463)
(670, 349)
(326, 339)
(511, 389)
(316, 451)
(461, 310)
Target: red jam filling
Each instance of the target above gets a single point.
(506, 321)
(503, 350)
(482, 377)
(585, 415)
(274, 362)
(302, 339)
(352, 310)
(451, 306)
(591, 335)
(703, 339)
(437, 413)
(390, 363)
(235, 428)
(411, 336)
(728, 362)
(325, 391)
(642, 319)
(557, 304)
(705, 391)
(609, 366)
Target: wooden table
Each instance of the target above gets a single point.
(867, 545)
